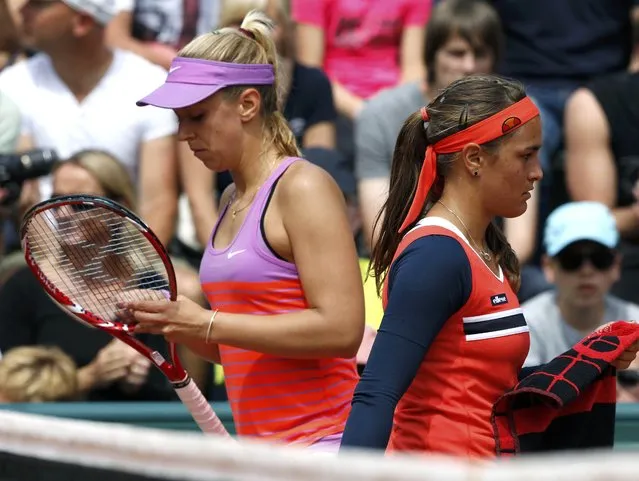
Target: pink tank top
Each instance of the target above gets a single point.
(287, 400)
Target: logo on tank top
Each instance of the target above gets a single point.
(232, 254)
(498, 299)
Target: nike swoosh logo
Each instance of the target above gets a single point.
(233, 254)
(173, 69)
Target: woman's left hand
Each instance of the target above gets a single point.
(178, 321)
(626, 358)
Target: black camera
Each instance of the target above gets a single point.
(17, 168)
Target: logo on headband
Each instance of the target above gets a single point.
(509, 124)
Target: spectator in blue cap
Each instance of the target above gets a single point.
(583, 263)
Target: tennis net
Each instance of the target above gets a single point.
(42, 448)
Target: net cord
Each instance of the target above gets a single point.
(191, 456)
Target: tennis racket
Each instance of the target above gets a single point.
(90, 254)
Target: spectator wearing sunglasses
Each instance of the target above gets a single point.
(628, 384)
(583, 263)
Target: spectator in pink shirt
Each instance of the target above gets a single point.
(363, 46)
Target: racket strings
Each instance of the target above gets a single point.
(97, 258)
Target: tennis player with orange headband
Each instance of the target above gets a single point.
(453, 337)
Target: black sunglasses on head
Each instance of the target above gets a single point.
(573, 258)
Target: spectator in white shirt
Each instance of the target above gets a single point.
(77, 94)
(156, 30)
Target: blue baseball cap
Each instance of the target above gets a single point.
(580, 221)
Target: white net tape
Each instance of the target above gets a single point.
(192, 456)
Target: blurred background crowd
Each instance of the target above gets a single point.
(354, 70)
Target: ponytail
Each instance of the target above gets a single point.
(259, 28)
(282, 136)
(406, 165)
(504, 254)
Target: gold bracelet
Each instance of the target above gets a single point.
(208, 331)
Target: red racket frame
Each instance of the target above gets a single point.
(186, 389)
(173, 370)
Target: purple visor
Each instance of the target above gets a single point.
(191, 80)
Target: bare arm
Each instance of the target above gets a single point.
(310, 51)
(25, 142)
(197, 345)
(323, 248)
(30, 191)
(346, 103)
(373, 156)
(310, 45)
(591, 173)
(321, 134)
(157, 184)
(198, 184)
(118, 34)
(314, 216)
(372, 194)
(412, 54)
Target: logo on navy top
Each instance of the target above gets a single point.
(498, 299)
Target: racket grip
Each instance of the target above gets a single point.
(201, 410)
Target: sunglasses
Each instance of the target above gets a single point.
(628, 378)
(572, 260)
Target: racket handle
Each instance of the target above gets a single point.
(201, 410)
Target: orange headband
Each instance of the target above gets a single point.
(480, 133)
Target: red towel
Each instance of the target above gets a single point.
(570, 402)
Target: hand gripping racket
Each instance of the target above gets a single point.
(90, 254)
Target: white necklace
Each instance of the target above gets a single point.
(485, 255)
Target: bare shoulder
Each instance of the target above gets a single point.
(305, 182)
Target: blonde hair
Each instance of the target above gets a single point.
(234, 46)
(109, 172)
(38, 374)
